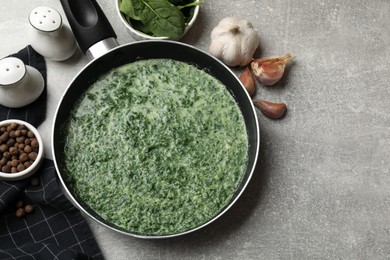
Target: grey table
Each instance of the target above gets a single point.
(322, 186)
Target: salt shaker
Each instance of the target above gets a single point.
(49, 36)
(20, 84)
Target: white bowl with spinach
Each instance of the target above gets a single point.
(158, 19)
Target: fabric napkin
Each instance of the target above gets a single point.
(55, 229)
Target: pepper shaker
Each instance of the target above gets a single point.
(49, 36)
(20, 84)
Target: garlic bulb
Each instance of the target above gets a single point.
(234, 41)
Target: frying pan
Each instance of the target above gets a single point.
(96, 39)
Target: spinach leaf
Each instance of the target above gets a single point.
(127, 7)
(162, 18)
(139, 26)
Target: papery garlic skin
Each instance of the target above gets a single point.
(270, 70)
(234, 41)
(247, 80)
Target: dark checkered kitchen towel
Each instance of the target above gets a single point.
(54, 229)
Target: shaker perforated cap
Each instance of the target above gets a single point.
(45, 19)
(12, 70)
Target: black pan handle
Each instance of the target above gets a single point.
(88, 22)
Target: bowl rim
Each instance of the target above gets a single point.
(140, 34)
(30, 170)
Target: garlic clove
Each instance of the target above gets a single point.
(270, 70)
(270, 109)
(247, 80)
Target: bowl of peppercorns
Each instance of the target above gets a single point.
(21, 149)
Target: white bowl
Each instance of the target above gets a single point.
(38, 161)
(137, 35)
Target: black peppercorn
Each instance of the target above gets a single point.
(3, 161)
(20, 167)
(18, 133)
(4, 137)
(23, 157)
(20, 213)
(29, 208)
(13, 126)
(6, 169)
(11, 142)
(27, 149)
(32, 156)
(13, 151)
(18, 148)
(14, 163)
(3, 148)
(34, 143)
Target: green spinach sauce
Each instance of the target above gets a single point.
(155, 147)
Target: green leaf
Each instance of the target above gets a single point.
(127, 8)
(162, 18)
(159, 18)
(139, 26)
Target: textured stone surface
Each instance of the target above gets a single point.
(321, 188)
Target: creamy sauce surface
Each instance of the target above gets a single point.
(155, 147)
